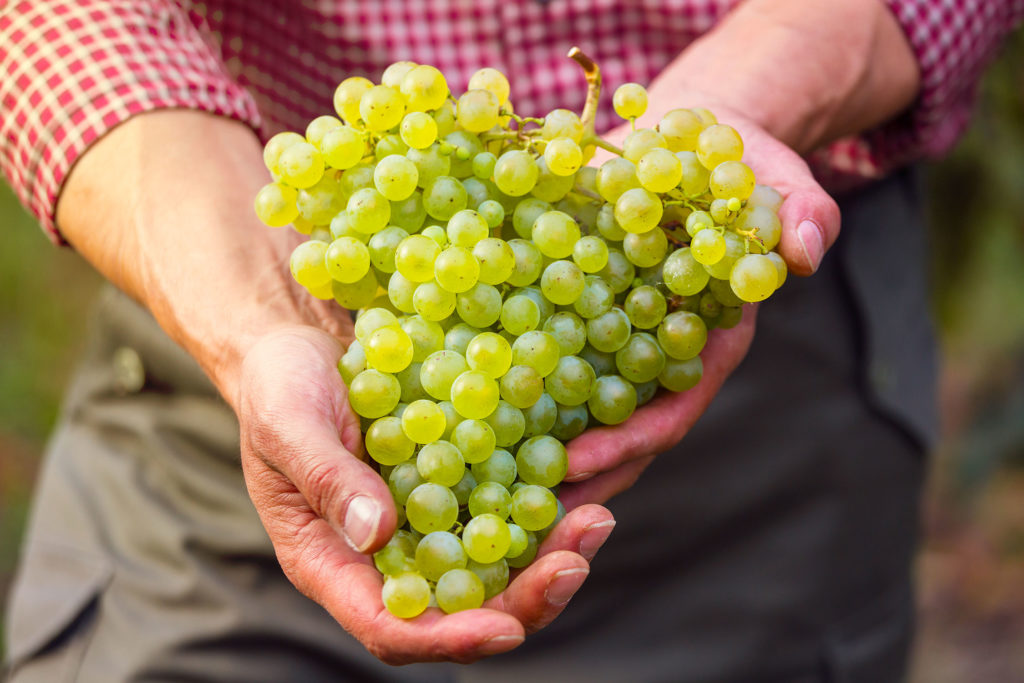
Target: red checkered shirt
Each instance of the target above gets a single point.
(74, 69)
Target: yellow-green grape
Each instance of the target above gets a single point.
(492, 212)
(697, 221)
(683, 274)
(523, 557)
(571, 383)
(431, 507)
(381, 108)
(275, 205)
(483, 165)
(491, 498)
(302, 226)
(519, 314)
(458, 590)
(430, 163)
(406, 595)
(439, 371)
(437, 553)
(433, 302)
(443, 197)
(568, 330)
(735, 247)
(708, 246)
(352, 362)
(424, 88)
(347, 260)
(555, 234)
(705, 115)
(275, 146)
(456, 269)
(717, 144)
(490, 354)
(423, 421)
(563, 156)
(396, 557)
(780, 267)
(765, 196)
(516, 173)
(641, 360)
(613, 400)
(526, 214)
(659, 170)
(475, 439)
(373, 393)
(682, 334)
(681, 375)
(763, 222)
(590, 253)
(415, 258)
(358, 294)
(396, 71)
(347, 97)
(486, 538)
(440, 462)
(382, 246)
(732, 179)
(538, 350)
(521, 386)
(475, 395)
(638, 210)
(754, 277)
(444, 117)
(319, 127)
(640, 142)
(427, 336)
(320, 203)
(616, 176)
(509, 425)
(371, 320)
(343, 147)
(540, 417)
(464, 487)
(542, 460)
(388, 145)
(395, 177)
(418, 130)
(695, 176)
(477, 110)
(300, 165)
(466, 228)
(550, 187)
(646, 249)
(389, 349)
(492, 80)
(496, 258)
(561, 123)
(387, 443)
(533, 507)
(368, 210)
(500, 468)
(436, 233)
(308, 265)
(609, 332)
(404, 478)
(529, 262)
(562, 282)
(480, 306)
(400, 292)
(618, 272)
(630, 100)
(681, 128)
(607, 226)
(356, 178)
(458, 337)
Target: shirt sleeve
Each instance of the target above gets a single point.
(74, 69)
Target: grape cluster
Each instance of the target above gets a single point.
(510, 295)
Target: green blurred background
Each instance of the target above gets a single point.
(971, 568)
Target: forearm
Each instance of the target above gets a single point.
(808, 72)
(162, 206)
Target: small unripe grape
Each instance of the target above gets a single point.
(630, 100)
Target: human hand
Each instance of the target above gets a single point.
(325, 508)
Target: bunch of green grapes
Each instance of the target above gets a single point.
(509, 296)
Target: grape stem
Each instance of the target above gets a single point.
(592, 73)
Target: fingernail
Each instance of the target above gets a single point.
(361, 521)
(499, 644)
(564, 584)
(812, 242)
(594, 537)
(579, 476)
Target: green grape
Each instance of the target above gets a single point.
(732, 179)
(356, 178)
(381, 108)
(409, 379)
(406, 595)
(431, 507)
(763, 222)
(529, 553)
(526, 214)
(477, 192)
(630, 100)
(308, 264)
(638, 210)
(640, 142)
(392, 560)
(386, 443)
(343, 147)
(390, 145)
(735, 248)
(571, 382)
(340, 227)
(424, 88)
(466, 228)
(646, 391)
(430, 164)
(439, 552)
(563, 156)
(515, 173)
(356, 295)
(780, 268)
(717, 144)
(415, 258)
(458, 337)
(646, 249)
(533, 507)
(519, 314)
(423, 421)
(496, 259)
(320, 203)
(602, 362)
(389, 349)
(710, 308)
(440, 462)
(348, 95)
(571, 421)
(381, 248)
(616, 176)
(439, 372)
(480, 306)
(754, 277)
(695, 176)
(474, 394)
(393, 75)
(368, 210)
(275, 146)
(395, 178)
(538, 350)
(459, 589)
(508, 423)
(456, 269)
(466, 146)
(409, 214)
(682, 335)
(618, 272)
(708, 246)
(320, 126)
(418, 130)
(433, 302)
(499, 468)
(613, 400)
(547, 309)
(568, 330)
(352, 363)
(529, 262)
(609, 332)
(493, 575)
(681, 129)
(683, 274)
(723, 292)
(464, 488)
(400, 292)
(371, 320)
(681, 375)
(373, 393)
(492, 498)
(765, 196)
(348, 260)
(444, 197)
(492, 80)
(562, 282)
(444, 116)
(555, 234)
(475, 439)
(645, 307)
(483, 165)
(436, 233)
(590, 253)
(597, 298)
(492, 212)
(730, 317)
(452, 419)
(551, 187)
(477, 110)
(490, 354)
(521, 386)
(641, 359)
(275, 205)
(562, 123)
(300, 165)
(607, 226)
(540, 417)
(486, 538)
(659, 170)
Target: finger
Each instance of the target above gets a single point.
(542, 590)
(295, 415)
(347, 585)
(583, 530)
(601, 488)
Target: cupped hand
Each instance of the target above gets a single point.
(324, 509)
(607, 460)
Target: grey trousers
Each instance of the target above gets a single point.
(773, 544)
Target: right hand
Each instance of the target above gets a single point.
(325, 509)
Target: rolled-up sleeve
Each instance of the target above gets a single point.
(73, 70)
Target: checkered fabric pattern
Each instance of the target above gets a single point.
(74, 69)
